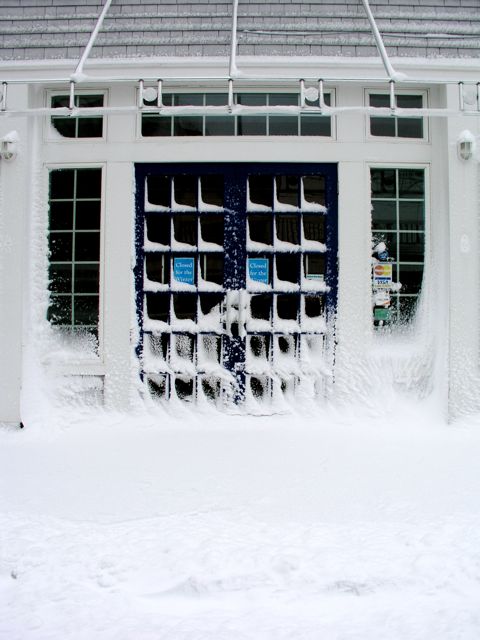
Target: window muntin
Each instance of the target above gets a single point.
(397, 126)
(398, 219)
(74, 248)
(304, 124)
(83, 126)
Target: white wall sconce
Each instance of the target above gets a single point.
(466, 145)
(8, 146)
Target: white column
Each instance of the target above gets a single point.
(464, 325)
(353, 327)
(118, 290)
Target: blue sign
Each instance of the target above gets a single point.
(184, 270)
(258, 269)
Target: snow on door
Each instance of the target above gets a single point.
(235, 276)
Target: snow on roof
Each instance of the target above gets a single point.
(49, 29)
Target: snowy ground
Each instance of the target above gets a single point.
(229, 528)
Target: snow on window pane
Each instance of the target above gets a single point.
(314, 190)
(159, 190)
(185, 228)
(260, 191)
(186, 191)
(157, 267)
(211, 229)
(158, 228)
(212, 190)
(260, 228)
(287, 228)
(287, 190)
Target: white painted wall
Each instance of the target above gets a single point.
(453, 192)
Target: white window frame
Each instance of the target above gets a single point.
(397, 139)
(99, 359)
(52, 135)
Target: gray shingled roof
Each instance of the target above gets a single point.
(46, 29)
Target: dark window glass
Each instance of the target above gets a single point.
(87, 246)
(87, 214)
(288, 306)
(85, 310)
(185, 228)
(396, 126)
(157, 267)
(410, 127)
(288, 267)
(314, 227)
(411, 247)
(411, 215)
(87, 278)
(261, 228)
(211, 228)
(383, 183)
(411, 276)
(61, 247)
(158, 228)
(211, 265)
(187, 126)
(60, 278)
(260, 189)
(261, 306)
(314, 265)
(314, 189)
(313, 306)
(156, 125)
(159, 190)
(212, 190)
(78, 126)
(185, 306)
(61, 216)
(60, 310)
(287, 228)
(158, 306)
(384, 214)
(382, 126)
(410, 183)
(208, 301)
(287, 190)
(315, 125)
(89, 183)
(186, 191)
(74, 255)
(219, 126)
(260, 346)
(62, 183)
(283, 125)
(252, 125)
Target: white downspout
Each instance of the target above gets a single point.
(392, 74)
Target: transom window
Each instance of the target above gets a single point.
(74, 245)
(78, 126)
(398, 219)
(305, 124)
(396, 126)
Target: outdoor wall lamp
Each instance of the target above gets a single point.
(8, 146)
(465, 145)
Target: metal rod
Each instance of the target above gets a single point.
(246, 78)
(379, 42)
(232, 67)
(71, 101)
(4, 96)
(239, 110)
(140, 94)
(230, 95)
(478, 96)
(77, 74)
(393, 102)
(302, 93)
(159, 94)
(461, 103)
(321, 95)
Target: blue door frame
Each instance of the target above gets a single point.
(235, 178)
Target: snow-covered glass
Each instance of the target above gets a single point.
(391, 126)
(83, 126)
(246, 122)
(398, 220)
(74, 248)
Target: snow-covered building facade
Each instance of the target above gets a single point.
(192, 195)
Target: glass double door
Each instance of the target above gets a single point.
(236, 271)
